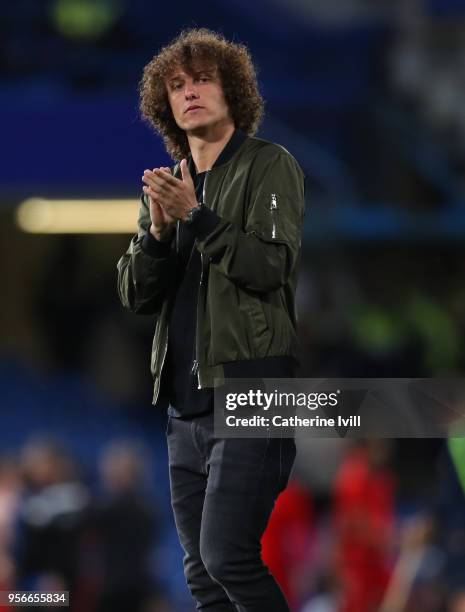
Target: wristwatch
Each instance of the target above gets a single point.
(193, 213)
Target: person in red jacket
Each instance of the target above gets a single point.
(364, 521)
(286, 542)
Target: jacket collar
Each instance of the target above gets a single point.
(229, 150)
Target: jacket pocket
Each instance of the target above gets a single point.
(257, 325)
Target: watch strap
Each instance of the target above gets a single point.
(193, 213)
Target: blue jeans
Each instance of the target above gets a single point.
(222, 494)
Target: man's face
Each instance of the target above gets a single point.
(197, 100)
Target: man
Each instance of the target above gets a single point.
(215, 260)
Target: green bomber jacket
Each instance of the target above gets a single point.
(249, 238)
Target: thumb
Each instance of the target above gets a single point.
(186, 175)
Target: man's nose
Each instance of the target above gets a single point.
(190, 91)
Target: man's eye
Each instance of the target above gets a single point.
(176, 86)
(204, 79)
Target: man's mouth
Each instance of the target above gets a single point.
(193, 108)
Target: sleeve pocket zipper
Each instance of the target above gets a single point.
(273, 210)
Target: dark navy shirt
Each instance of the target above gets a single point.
(181, 382)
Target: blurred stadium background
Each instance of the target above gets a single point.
(369, 96)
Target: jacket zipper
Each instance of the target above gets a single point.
(273, 209)
(195, 365)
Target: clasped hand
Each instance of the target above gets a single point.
(176, 197)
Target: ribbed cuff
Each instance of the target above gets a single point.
(155, 248)
(204, 223)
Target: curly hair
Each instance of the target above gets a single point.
(200, 46)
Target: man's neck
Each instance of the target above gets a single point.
(207, 145)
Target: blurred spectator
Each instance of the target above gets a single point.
(450, 521)
(10, 486)
(51, 515)
(364, 524)
(286, 542)
(413, 585)
(127, 527)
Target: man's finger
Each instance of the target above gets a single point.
(148, 177)
(155, 196)
(156, 175)
(148, 182)
(167, 209)
(186, 175)
(165, 169)
(165, 177)
(155, 183)
(163, 185)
